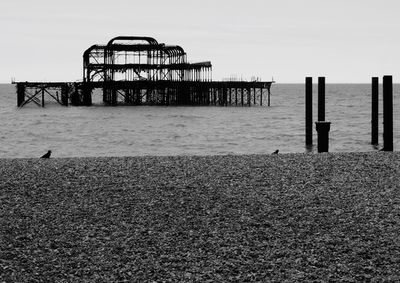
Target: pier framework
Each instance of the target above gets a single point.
(133, 70)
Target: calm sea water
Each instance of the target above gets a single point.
(145, 130)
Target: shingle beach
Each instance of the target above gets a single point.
(235, 218)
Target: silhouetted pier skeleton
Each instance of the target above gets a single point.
(138, 70)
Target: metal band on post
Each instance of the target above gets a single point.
(323, 128)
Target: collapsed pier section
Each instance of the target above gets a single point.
(64, 93)
(35, 92)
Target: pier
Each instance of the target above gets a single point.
(131, 70)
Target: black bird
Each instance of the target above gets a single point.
(47, 155)
(276, 151)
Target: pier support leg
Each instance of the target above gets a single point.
(20, 94)
(75, 100)
(64, 95)
(127, 97)
(114, 95)
(42, 97)
(236, 96)
(323, 128)
(138, 96)
(248, 97)
(387, 113)
(225, 96)
(374, 112)
(309, 120)
(167, 96)
(87, 95)
(105, 96)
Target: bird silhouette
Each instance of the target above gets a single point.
(47, 155)
(276, 151)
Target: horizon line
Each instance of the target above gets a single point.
(275, 82)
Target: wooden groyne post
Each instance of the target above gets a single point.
(387, 113)
(309, 106)
(322, 126)
(375, 111)
(321, 98)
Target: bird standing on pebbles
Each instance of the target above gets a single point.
(47, 155)
(276, 151)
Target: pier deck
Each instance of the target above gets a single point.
(222, 93)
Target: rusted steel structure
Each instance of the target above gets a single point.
(139, 70)
(129, 58)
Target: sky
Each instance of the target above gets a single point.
(347, 41)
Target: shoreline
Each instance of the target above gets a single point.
(208, 155)
(235, 218)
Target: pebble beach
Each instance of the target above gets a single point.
(225, 218)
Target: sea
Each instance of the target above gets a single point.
(99, 130)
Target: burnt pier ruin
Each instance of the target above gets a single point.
(132, 70)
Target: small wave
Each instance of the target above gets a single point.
(180, 125)
(186, 117)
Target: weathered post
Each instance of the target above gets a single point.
(87, 95)
(323, 128)
(387, 113)
(261, 93)
(309, 122)
(375, 111)
(64, 94)
(215, 96)
(42, 97)
(225, 96)
(248, 96)
(20, 94)
(321, 98)
(236, 96)
(114, 96)
(242, 97)
(75, 95)
(168, 90)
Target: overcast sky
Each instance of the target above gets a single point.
(344, 40)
